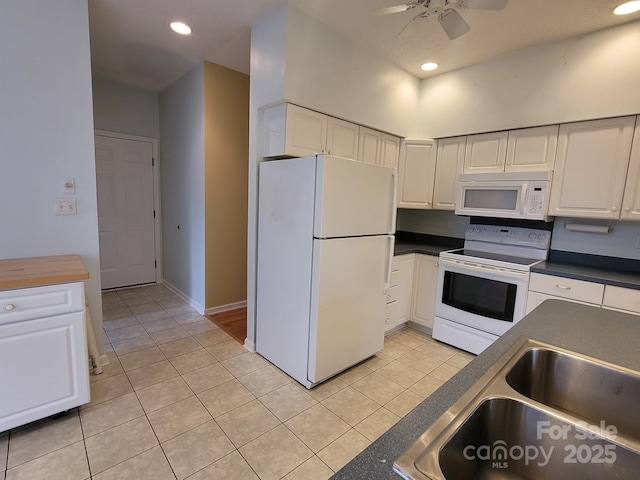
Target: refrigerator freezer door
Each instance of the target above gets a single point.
(353, 198)
(347, 303)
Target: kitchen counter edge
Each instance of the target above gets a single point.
(603, 334)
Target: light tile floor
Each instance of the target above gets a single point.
(181, 399)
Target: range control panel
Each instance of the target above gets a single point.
(516, 236)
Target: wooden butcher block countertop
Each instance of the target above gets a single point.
(37, 271)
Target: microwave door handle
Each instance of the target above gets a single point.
(523, 198)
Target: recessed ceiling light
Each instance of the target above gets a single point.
(180, 28)
(627, 8)
(429, 66)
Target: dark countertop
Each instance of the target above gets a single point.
(621, 272)
(599, 333)
(407, 242)
(590, 274)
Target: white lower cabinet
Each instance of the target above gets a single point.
(425, 280)
(43, 352)
(399, 294)
(544, 287)
(622, 299)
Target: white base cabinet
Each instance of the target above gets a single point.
(545, 287)
(399, 294)
(43, 352)
(425, 281)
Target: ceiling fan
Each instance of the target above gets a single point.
(450, 20)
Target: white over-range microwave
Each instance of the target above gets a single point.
(519, 195)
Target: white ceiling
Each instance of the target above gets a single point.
(131, 42)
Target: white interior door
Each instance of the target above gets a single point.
(124, 173)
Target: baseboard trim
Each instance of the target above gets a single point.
(183, 296)
(422, 328)
(225, 308)
(249, 345)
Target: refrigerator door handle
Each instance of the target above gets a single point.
(394, 206)
(387, 282)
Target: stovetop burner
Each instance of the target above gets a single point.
(492, 256)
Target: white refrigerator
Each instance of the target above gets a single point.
(325, 245)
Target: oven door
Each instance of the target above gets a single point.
(484, 297)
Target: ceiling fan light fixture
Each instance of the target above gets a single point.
(181, 28)
(427, 67)
(627, 8)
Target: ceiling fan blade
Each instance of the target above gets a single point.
(482, 4)
(411, 28)
(395, 9)
(453, 24)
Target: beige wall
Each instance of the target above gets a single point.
(226, 102)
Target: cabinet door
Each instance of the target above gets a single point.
(591, 168)
(532, 149)
(399, 296)
(621, 299)
(449, 161)
(631, 199)
(342, 138)
(534, 299)
(389, 151)
(424, 290)
(369, 146)
(48, 370)
(416, 174)
(306, 132)
(485, 152)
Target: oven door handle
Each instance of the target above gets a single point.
(469, 268)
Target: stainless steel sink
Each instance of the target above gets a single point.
(539, 412)
(592, 391)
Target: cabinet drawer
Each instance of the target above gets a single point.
(622, 299)
(35, 302)
(392, 294)
(395, 278)
(569, 288)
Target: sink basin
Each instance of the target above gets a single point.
(540, 412)
(591, 391)
(499, 440)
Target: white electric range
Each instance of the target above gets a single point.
(482, 288)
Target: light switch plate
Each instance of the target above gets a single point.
(68, 185)
(66, 206)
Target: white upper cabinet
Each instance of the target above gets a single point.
(631, 199)
(378, 148)
(292, 131)
(389, 150)
(531, 149)
(370, 146)
(591, 168)
(485, 152)
(342, 138)
(416, 174)
(449, 162)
